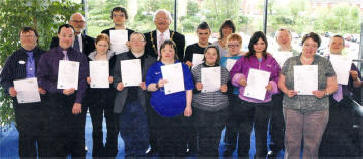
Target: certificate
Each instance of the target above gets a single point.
(99, 74)
(230, 63)
(257, 81)
(197, 59)
(173, 73)
(341, 65)
(211, 79)
(305, 79)
(27, 90)
(282, 56)
(118, 39)
(68, 74)
(131, 72)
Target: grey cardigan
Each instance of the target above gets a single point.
(121, 96)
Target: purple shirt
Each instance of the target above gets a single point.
(241, 68)
(48, 71)
(30, 65)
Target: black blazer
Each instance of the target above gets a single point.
(121, 96)
(177, 38)
(88, 44)
(15, 67)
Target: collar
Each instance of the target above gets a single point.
(109, 55)
(166, 33)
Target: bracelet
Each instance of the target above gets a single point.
(157, 86)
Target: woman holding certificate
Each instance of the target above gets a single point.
(306, 80)
(256, 76)
(171, 84)
(130, 102)
(210, 101)
(100, 97)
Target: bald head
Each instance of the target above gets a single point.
(78, 22)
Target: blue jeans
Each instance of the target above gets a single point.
(134, 129)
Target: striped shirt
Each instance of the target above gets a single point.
(210, 101)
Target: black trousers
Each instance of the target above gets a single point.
(209, 126)
(104, 107)
(231, 134)
(32, 125)
(244, 116)
(340, 139)
(170, 136)
(277, 124)
(66, 129)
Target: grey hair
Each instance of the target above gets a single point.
(165, 11)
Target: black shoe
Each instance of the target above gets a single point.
(150, 152)
(272, 155)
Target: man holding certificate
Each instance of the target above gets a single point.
(19, 80)
(130, 101)
(306, 102)
(340, 110)
(256, 75)
(65, 96)
(283, 51)
(171, 84)
(119, 35)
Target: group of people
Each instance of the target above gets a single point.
(152, 121)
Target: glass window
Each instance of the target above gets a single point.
(325, 17)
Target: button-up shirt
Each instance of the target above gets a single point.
(48, 71)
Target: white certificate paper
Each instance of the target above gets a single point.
(341, 65)
(197, 59)
(173, 73)
(68, 74)
(305, 79)
(118, 39)
(27, 90)
(257, 81)
(282, 56)
(211, 79)
(131, 72)
(230, 63)
(99, 74)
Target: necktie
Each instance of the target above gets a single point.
(161, 41)
(76, 44)
(65, 55)
(338, 96)
(30, 65)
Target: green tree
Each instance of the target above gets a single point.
(43, 15)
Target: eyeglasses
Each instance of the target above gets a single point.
(118, 15)
(77, 21)
(27, 36)
(136, 41)
(310, 46)
(161, 18)
(233, 46)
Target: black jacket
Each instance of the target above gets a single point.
(177, 38)
(88, 44)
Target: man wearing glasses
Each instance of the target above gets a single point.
(83, 43)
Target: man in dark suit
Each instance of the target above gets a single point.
(155, 38)
(30, 118)
(84, 43)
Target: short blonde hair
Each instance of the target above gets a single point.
(235, 37)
